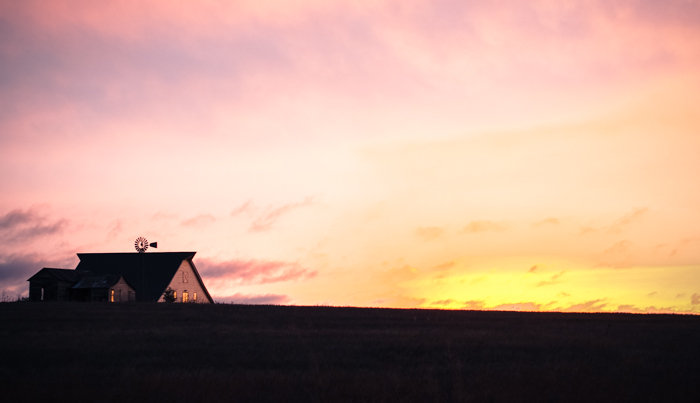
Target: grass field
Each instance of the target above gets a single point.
(86, 352)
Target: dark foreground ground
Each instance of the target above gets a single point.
(104, 352)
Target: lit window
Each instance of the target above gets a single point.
(111, 296)
(185, 296)
(194, 297)
(175, 295)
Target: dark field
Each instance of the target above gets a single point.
(86, 352)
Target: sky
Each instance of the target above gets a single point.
(493, 155)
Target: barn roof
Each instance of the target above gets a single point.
(98, 281)
(59, 274)
(147, 273)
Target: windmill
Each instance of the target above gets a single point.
(141, 244)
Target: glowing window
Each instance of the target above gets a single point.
(194, 297)
(175, 295)
(111, 296)
(185, 297)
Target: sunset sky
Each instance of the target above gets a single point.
(531, 155)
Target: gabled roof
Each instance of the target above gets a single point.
(59, 274)
(98, 281)
(147, 273)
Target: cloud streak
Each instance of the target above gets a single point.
(201, 220)
(255, 299)
(254, 271)
(483, 226)
(267, 220)
(25, 225)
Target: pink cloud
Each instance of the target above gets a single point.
(443, 302)
(243, 208)
(521, 306)
(255, 299)
(199, 221)
(444, 266)
(589, 306)
(695, 299)
(474, 305)
(254, 271)
(618, 255)
(115, 229)
(265, 221)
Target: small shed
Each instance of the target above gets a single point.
(108, 287)
(53, 284)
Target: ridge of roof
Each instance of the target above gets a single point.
(60, 274)
(95, 281)
(136, 253)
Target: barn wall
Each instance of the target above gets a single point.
(54, 290)
(186, 280)
(122, 291)
(46, 281)
(63, 291)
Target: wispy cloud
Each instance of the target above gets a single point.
(255, 299)
(619, 225)
(265, 221)
(254, 271)
(201, 220)
(21, 225)
(429, 233)
(115, 229)
(596, 305)
(474, 304)
(618, 255)
(552, 280)
(444, 266)
(627, 219)
(520, 306)
(443, 302)
(242, 208)
(547, 221)
(482, 226)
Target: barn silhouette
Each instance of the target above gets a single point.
(122, 277)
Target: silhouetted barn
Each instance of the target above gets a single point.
(121, 277)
